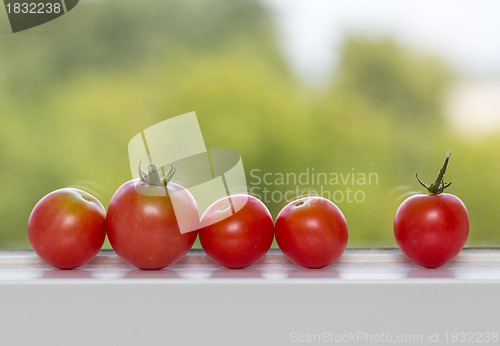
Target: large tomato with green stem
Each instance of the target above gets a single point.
(152, 222)
(432, 229)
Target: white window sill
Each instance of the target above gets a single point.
(367, 293)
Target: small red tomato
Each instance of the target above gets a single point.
(67, 228)
(311, 232)
(432, 229)
(238, 232)
(145, 218)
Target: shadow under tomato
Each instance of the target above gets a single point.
(425, 273)
(305, 273)
(246, 273)
(152, 274)
(66, 274)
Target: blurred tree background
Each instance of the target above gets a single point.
(76, 90)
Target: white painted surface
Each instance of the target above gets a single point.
(370, 297)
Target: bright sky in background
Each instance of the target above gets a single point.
(466, 34)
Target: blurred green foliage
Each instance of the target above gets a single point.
(76, 90)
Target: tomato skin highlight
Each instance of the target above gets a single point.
(311, 232)
(67, 228)
(431, 230)
(143, 227)
(237, 240)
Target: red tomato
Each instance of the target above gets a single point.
(432, 229)
(67, 228)
(237, 239)
(311, 232)
(143, 227)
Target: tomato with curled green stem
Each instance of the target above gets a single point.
(152, 222)
(67, 228)
(432, 229)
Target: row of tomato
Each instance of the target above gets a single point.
(153, 222)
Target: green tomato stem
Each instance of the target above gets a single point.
(438, 186)
(153, 175)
